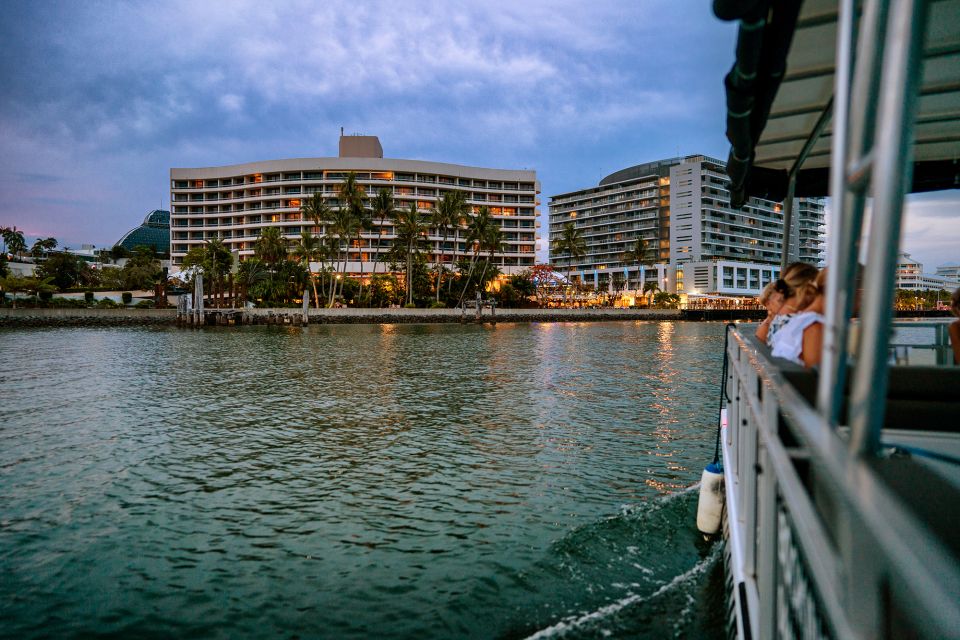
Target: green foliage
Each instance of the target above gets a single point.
(212, 259)
(106, 303)
(142, 269)
(437, 304)
(88, 297)
(664, 300)
(4, 269)
(42, 246)
(144, 304)
(66, 303)
(271, 246)
(410, 305)
(384, 290)
(127, 297)
(276, 285)
(13, 240)
(66, 270)
(118, 251)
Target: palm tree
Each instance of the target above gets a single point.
(14, 241)
(384, 209)
(445, 215)
(478, 230)
(271, 246)
(492, 241)
(351, 196)
(410, 229)
(307, 249)
(343, 226)
(649, 289)
(570, 242)
(42, 246)
(639, 254)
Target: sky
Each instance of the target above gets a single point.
(101, 99)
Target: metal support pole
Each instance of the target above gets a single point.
(787, 221)
(833, 359)
(893, 173)
(853, 128)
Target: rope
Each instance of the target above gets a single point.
(723, 390)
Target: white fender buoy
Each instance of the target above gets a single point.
(710, 506)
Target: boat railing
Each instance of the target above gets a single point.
(932, 348)
(827, 543)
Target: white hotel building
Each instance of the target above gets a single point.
(697, 243)
(236, 203)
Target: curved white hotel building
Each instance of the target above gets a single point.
(236, 203)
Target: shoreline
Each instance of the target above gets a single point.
(26, 318)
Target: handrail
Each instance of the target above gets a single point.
(880, 556)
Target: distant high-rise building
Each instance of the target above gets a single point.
(236, 203)
(692, 241)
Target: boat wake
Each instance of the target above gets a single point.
(644, 571)
(570, 624)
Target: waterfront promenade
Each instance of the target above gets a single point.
(120, 317)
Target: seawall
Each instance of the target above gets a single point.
(140, 317)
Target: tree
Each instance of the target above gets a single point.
(13, 241)
(666, 300)
(308, 249)
(142, 269)
(317, 210)
(639, 254)
(118, 251)
(492, 241)
(351, 196)
(410, 227)
(649, 289)
(384, 209)
(212, 259)
(64, 270)
(478, 236)
(271, 246)
(445, 215)
(343, 226)
(16, 284)
(572, 244)
(42, 246)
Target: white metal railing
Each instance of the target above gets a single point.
(819, 544)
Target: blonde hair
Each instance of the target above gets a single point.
(799, 281)
(767, 292)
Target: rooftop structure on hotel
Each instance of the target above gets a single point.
(236, 203)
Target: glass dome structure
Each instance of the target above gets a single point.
(154, 232)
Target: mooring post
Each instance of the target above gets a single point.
(479, 307)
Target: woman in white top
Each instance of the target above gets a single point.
(788, 295)
(800, 339)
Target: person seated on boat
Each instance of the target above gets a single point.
(794, 289)
(800, 339)
(955, 326)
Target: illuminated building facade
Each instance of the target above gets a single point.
(695, 242)
(236, 203)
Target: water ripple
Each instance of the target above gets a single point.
(340, 481)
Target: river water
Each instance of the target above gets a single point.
(355, 481)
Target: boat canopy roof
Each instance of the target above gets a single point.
(780, 95)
